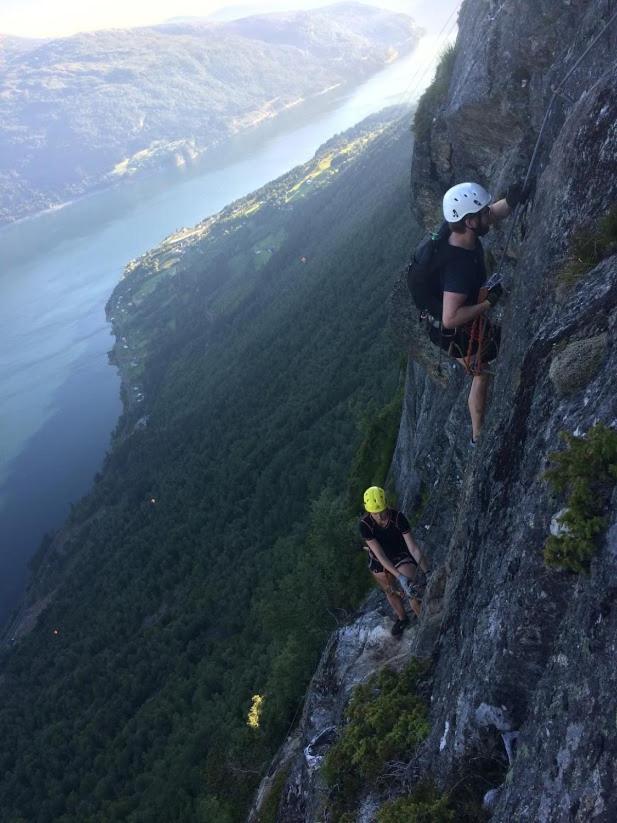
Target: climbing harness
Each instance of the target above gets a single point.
(479, 335)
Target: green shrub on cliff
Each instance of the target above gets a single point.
(425, 805)
(587, 472)
(269, 808)
(386, 719)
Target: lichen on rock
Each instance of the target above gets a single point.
(574, 367)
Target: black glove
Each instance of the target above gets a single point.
(494, 294)
(519, 192)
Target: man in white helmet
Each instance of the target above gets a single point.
(469, 213)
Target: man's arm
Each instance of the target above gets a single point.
(415, 551)
(455, 313)
(498, 211)
(379, 554)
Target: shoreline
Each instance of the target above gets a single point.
(253, 120)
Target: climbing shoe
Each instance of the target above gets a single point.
(400, 626)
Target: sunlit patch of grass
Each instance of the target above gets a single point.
(251, 210)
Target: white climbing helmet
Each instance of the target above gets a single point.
(464, 199)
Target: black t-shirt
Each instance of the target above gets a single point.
(463, 272)
(389, 538)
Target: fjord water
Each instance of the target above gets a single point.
(59, 397)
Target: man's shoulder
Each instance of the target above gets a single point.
(460, 269)
(461, 256)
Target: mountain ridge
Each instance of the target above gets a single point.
(91, 110)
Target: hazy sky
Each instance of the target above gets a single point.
(56, 18)
(45, 18)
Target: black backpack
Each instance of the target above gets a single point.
(423, 270)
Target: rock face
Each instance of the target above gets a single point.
(519, 649)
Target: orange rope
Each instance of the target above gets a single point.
(474, 363)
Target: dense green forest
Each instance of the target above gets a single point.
(217, 548)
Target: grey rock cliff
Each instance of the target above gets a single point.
(522, 653)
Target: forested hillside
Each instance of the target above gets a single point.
(83, 112)
(216, 550)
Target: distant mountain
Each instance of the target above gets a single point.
(427, 13)
(234, 12)
(83, 112)
(12, 47)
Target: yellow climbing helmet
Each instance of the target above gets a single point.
(375, 500)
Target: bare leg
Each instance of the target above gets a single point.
(410, 571)
(477, 400)
(385, 581)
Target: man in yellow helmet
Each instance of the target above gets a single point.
(393, 554)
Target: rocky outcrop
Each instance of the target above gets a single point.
(577, 363)
(353, 653)
(521, 652)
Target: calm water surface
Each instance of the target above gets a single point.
(59, 398)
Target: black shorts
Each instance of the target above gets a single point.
(456, 341)
(376, 568)
(374, 565)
